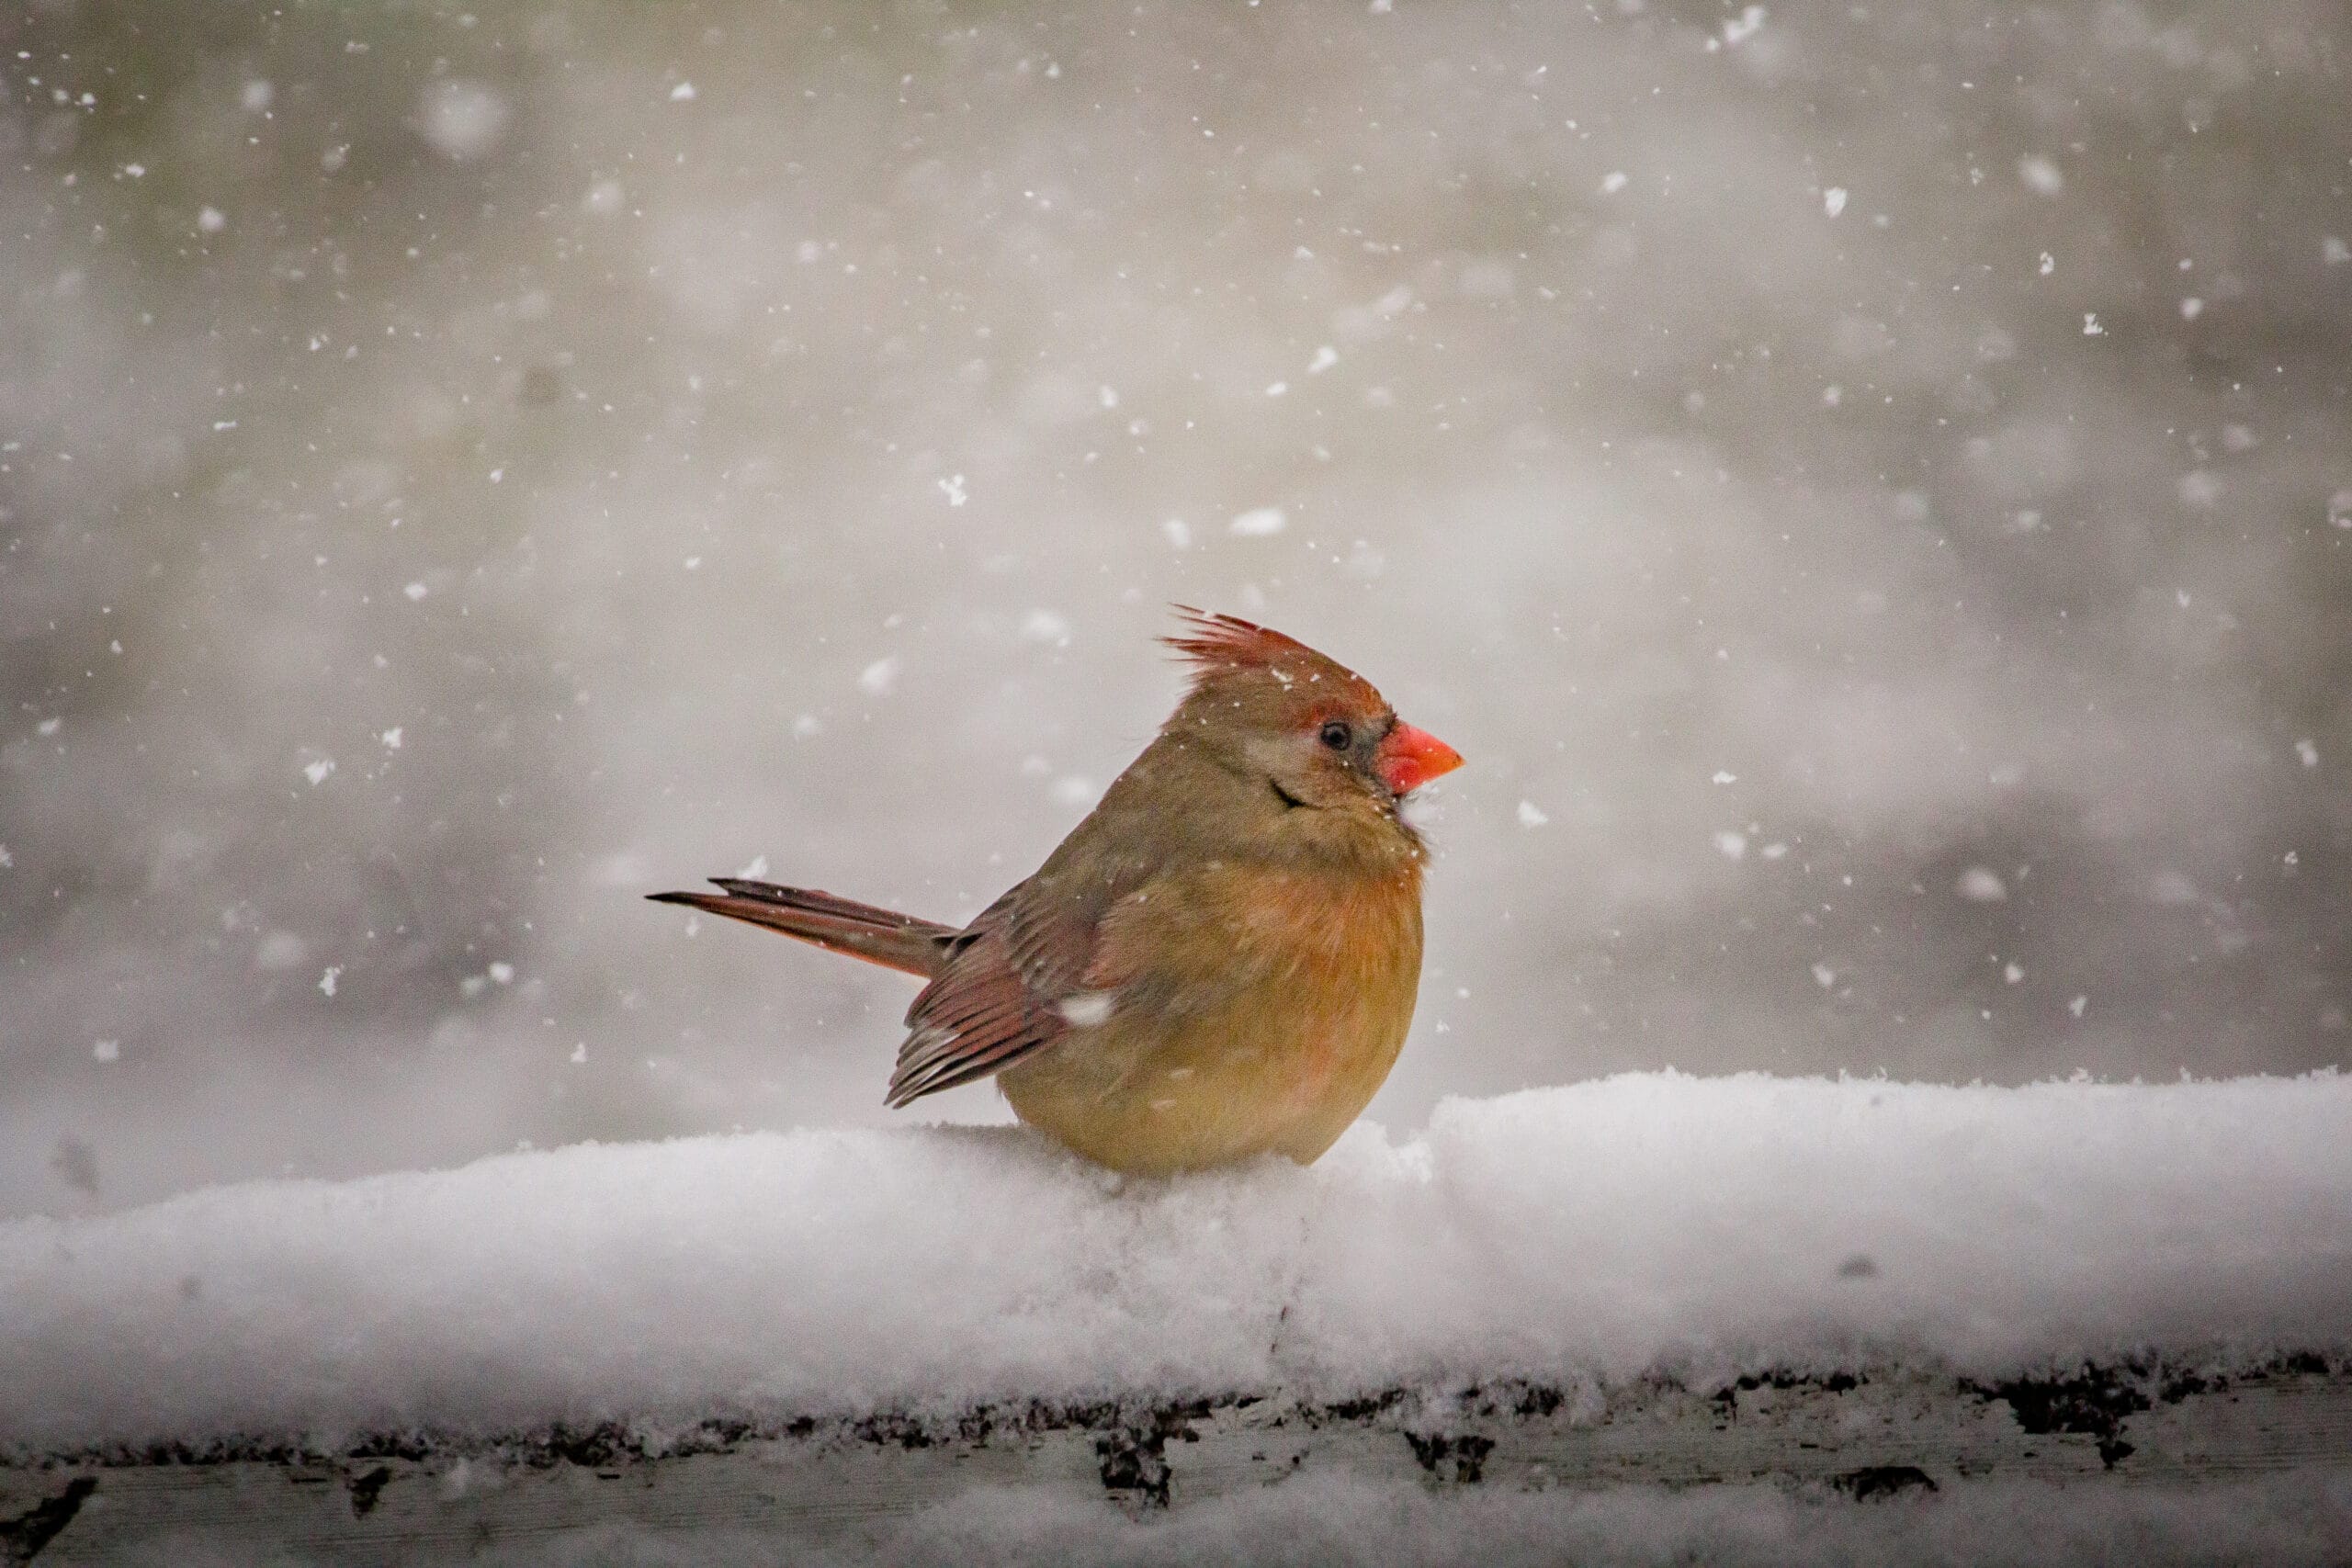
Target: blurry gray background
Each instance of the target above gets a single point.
(1867, 488)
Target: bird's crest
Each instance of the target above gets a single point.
(1212, 642)
(1217, 645)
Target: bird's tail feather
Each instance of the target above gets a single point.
(844, 925)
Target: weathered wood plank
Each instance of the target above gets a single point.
(1887, 1434)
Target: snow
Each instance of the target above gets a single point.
(2041, 176)
(1088, 1008)
(1981, 884)
(462, 120)
(1582, 1235)
(1047, 626)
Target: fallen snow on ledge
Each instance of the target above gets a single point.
(1698, 1227)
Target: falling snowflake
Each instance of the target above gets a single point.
(2041, 176)
(1981, 884)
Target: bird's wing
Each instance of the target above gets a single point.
(1043, 960)
(1016, 981)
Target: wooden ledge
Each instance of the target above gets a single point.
(1857, 1437)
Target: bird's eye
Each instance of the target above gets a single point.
(1336, 735)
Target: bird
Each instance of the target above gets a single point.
(1220, 962)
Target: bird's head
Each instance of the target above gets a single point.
(1318, 734)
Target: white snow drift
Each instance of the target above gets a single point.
(1642, 1224)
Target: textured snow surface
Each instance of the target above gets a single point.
(1652, 1223)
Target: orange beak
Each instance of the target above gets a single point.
(1410, 758)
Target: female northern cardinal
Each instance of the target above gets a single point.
(1219, 961)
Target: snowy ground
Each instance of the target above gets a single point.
(1582, 1236)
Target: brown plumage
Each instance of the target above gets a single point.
(1220, 961)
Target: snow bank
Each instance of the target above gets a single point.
(1636, 1226)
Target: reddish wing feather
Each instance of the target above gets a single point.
(997, 999)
